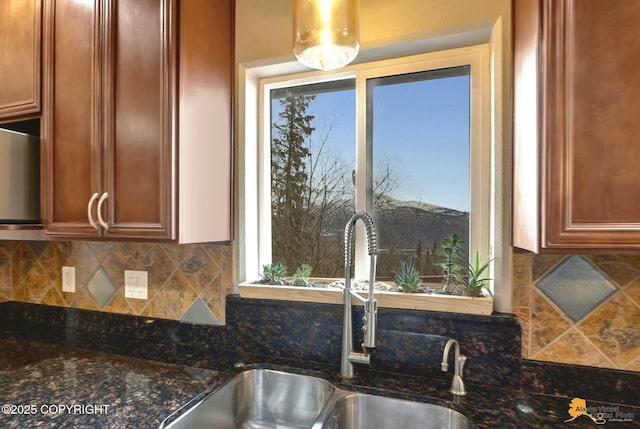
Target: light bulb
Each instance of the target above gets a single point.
(325, 32)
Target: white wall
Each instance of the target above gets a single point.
(263, 27)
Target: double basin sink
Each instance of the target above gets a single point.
(268, 399)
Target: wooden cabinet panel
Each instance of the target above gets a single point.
(138, 128)
(20, 41)
(205, 100)
(114, 131)
(576, 104)
(71, 140)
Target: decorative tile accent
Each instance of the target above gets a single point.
(611, 330)
(85, 262)
(101, 288)
(576, 287)
(199, 313)
(37, 247)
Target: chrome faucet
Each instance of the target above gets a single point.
(457, 385)
(349, 357)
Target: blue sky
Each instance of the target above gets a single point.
(420, 128)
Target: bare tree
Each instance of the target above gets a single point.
(312, 192)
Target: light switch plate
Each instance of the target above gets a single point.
(135, 284)
(69, 279)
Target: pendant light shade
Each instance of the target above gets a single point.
(326, 32)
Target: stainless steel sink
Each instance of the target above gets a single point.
(360, 411)
(258, 399)
(268, 399)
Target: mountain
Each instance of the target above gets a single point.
(402, 225)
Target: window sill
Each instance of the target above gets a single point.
(409, 301)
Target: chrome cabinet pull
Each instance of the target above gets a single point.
(100, 220)
(93, 223)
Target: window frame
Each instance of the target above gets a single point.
(477, 57)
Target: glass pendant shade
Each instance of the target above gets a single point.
(326, 32)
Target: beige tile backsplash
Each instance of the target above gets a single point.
(181, 276)
(178, 275)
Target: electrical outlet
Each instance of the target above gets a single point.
(69, 279)
(135, 284)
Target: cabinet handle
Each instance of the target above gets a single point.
(100, 220)
(93, 223)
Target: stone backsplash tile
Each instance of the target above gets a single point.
(608, 336)
(615, 327)
(547, 323)
(178, 276)
(5, 274)
(573, 346)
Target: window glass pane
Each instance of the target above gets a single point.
(418, 129)
(312, 159)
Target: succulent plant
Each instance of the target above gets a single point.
(473, 278)
(407, 277)
(302, 275)
(274, 273)
(452, 266)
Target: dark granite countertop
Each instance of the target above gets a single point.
(105, 390)
(52, 386)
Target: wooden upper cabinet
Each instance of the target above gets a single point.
(576, 126)
(138, 138)
(138, 106)
(20, 41)
(71, 139)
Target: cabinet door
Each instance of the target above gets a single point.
(138, 103)
(20, 40)
(71, 140)
(587, 87)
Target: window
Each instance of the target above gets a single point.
(405, 140)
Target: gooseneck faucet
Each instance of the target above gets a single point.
(457, 385)
(349, 357)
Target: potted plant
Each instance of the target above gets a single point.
(461, 293)
(453, 252)
(407, 278)
(473, 281)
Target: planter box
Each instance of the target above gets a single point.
(408, 301)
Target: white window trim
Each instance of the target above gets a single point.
(251, 250)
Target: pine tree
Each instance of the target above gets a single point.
(289, 153)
